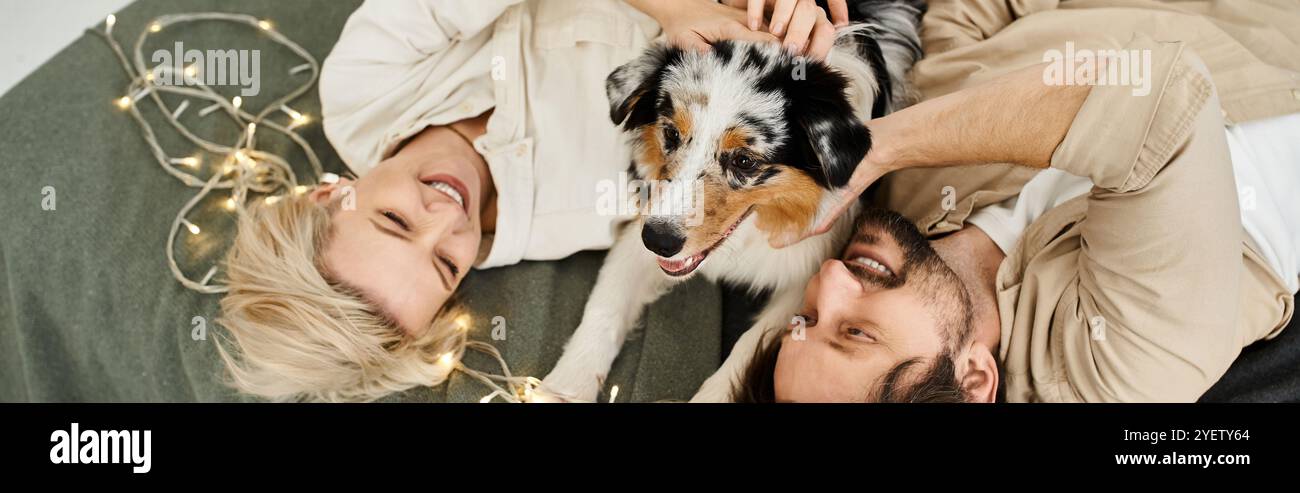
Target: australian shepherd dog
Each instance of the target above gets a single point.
(755, 142)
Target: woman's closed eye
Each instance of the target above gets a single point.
(444, 260)
(396, 219)
(451, 266)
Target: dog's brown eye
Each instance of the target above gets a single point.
(742, 162)
(671, 138)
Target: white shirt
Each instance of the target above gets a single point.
(1266, 164)
(402, 66)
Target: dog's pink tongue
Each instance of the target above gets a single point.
(685, 265)
(671, 265)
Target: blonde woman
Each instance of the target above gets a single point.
(479, 130)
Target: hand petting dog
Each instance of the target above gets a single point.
(800, 25)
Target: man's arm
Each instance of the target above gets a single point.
(1159, 258)
(1014, 119)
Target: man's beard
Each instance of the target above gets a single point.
(923, 269)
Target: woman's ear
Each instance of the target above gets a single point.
(980, 380)
(325, 192)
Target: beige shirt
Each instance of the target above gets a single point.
(401, 66)
(1147, 288)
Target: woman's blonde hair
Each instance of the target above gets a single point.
(296, 334)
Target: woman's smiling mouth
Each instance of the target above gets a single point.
(449, 186)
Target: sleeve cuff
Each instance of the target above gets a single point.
(1125, 132)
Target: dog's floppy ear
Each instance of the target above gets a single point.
(629, 85)
(827, 129)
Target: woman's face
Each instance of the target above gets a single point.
(399, 234)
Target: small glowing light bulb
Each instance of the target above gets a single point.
(300, 189)
(191, 70)
(110, 21)
(446, 359)
(237, 102)
(272, 199)
(155, 27)
(194, 228)
(123, 102)
(230, 204)
(264, 24)
(192, 162)
(296, 119)
(613, 393)
(148, 76)
(462, 322)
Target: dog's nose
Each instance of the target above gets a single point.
(662, 238)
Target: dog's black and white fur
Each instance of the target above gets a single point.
(764, 139)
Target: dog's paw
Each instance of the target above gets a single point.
(570, 385)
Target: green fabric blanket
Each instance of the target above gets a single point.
(88, 309)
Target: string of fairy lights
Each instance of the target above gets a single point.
(243, 169)
(250, 173)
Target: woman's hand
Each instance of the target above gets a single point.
(803, 27)
(697, 24)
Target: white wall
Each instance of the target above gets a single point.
(32, 31)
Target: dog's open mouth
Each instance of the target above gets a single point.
(678, 268)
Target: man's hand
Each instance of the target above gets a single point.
(1015, 119)
(802, 25)
(878, 162)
